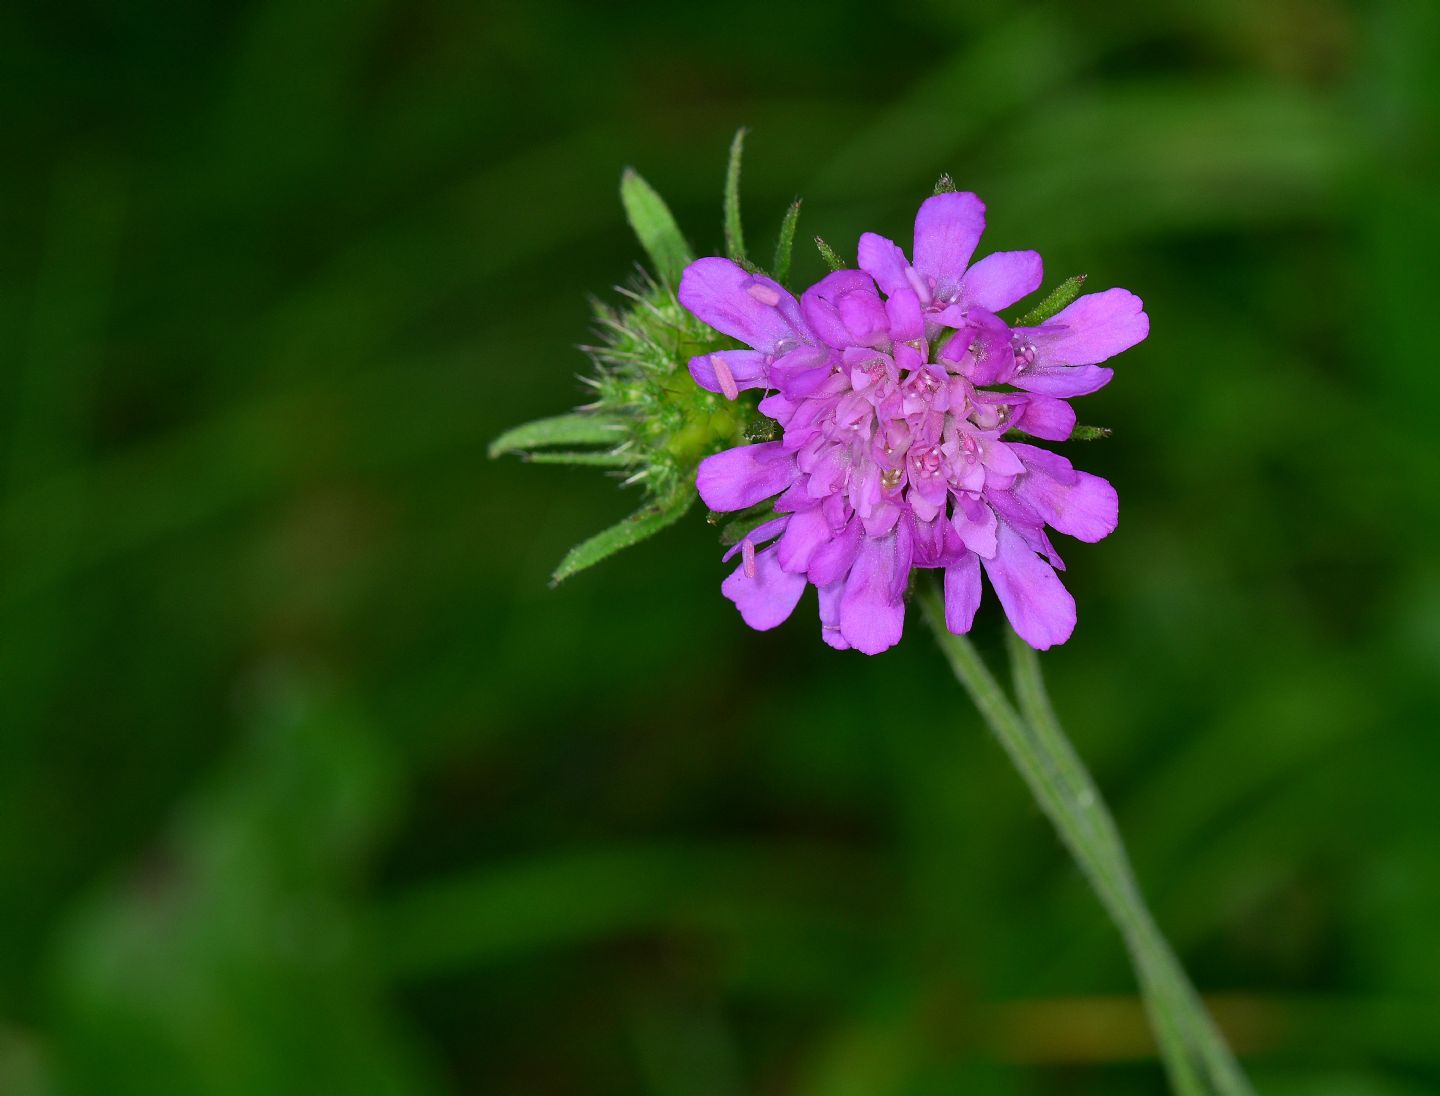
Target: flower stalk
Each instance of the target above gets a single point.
(1194, 1052)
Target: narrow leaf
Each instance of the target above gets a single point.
(637, 527)
(575, 429)
(655, 227)
(1059, 297)
(944, 185)
(734, 234)
(785, 245)
(832, 260)
(597, 459)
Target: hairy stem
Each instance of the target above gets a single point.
(1195, 1055)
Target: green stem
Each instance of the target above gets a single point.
(1195, 1055)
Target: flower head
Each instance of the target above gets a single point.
(901, 395)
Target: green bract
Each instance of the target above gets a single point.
(649, 422)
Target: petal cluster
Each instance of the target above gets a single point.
(896, 386)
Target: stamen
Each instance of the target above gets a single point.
(763, 293)
(728, 387)
(747, 557)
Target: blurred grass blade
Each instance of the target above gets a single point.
(573, 429)
(785, 245)
(638, 526)
(1059, 297)
(734, 234)
(832, 260)
(655, 227)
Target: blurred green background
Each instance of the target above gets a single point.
(308, 783)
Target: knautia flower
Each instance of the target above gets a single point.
(902, 412)
(904, 401)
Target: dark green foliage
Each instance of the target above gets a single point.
(309, 783)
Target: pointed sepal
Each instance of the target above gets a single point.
(785, 245)
(734, 233)
(1059, 297)
(641, 525)
(832, 260)
(655, 228)
(595, 458)
(578, 428)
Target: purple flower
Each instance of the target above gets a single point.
(896, 386)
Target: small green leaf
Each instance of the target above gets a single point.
(832, 260)
(734, 234)
(785, 245)
(597, 459)
(637, 527)
(1059, 297)
(574, 429)
(944, 185)
(655, 227)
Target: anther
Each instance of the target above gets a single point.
(728, 387)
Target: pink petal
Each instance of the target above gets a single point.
(999, 458)
(962, 593)
(755, 309)
(1040, 609)
(767, 598)
(883, 260)
(1063, 381)
(767, 530)
(747, 370)
(975, 524)
(999, 280)
(807, 531)
(830, 615)
(1084, 506)
(1047, 417)
(947, 228)
(906, 319)
(872, 610)
(864, 317)
(777, 407)
(823, 302)
(1098, 326)
(745, 475)
(831, 562)
(1051, 464)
